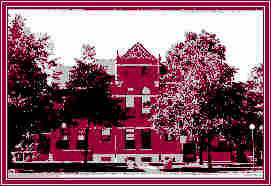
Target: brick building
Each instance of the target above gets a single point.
(137, 75)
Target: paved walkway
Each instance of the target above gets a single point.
(122, 167)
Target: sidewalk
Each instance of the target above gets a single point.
(29, 167)
(216, 167)
(70, 167)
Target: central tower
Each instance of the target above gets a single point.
(137, 79)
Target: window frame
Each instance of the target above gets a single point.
(130, 133)
(143, 135)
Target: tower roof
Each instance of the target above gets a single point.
(139, 52)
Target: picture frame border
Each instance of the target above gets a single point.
(212, 5)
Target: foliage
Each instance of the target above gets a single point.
(30, 101)
(255, 89)
(237, 105)
(194, 66)
(89, 92)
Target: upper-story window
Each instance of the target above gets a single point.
(169, 137)
(130, 101)
(143, 70)
(119, 83)
(146, 100)
(146, 90)
(156, 83)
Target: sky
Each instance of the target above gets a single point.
(158, 30)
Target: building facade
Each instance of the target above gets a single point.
(137, 75)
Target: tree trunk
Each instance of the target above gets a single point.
(201, 149)
(86, 143)
(209, 152)
(241, 157)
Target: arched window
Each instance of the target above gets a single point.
(146, 100)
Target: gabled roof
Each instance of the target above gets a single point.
(138, 51)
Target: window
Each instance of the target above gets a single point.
(130, 89)
(81, 144)
(130, 138)
(146, 100)
(130, 101)
(169, 137)
(163, 69)
(143, 70)
(189, 148)
(65, 137)
(62, 144)
(64, 125)
(81, 139)
(244, 140)
(146, 138)
(44, 144)
(64, 131)
(81, 134)
(28, 139)
(146, 159)
(146, 90)
(156, 83)
(119, 83)
(189, 152)
(106, 134)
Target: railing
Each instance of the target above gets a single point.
(25, 156)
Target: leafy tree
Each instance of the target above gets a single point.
(238, 105)
(29, 95)
(194, 66)
(255, 88)
(90, 96)
(256, 93)
(226, 104)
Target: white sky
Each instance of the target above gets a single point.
(240, 31)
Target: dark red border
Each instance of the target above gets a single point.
(160, 5)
